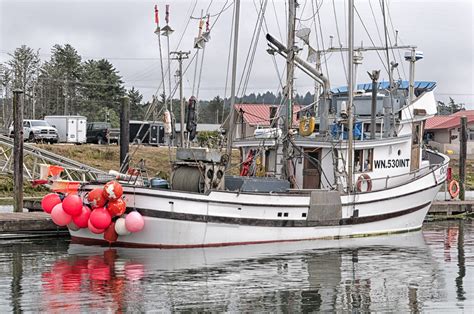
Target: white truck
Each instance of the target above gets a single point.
(71, 129)
(37, 131)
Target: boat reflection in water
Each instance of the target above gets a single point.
(379, 273)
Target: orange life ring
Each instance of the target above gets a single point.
(364, 178)
(454, 188)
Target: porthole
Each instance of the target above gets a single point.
(399, 152)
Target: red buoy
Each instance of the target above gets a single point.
(82, 220)
(49, 201)
(100, 218)
(110, 235)
(72, 205)
(117, 207)
(96, 198)
(94, 229)
(113, 190)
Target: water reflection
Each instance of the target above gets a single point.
(409, 272)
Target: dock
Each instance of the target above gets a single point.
(28, 225)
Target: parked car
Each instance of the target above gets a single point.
(71, 129)
(101, 133)
(37, 130)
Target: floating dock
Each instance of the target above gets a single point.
(28, 225)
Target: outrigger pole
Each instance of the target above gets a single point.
(230, 134)
(350, 95)
(290, 66)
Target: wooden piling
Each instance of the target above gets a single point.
(462, 156)
(18, 150)
(124, 134)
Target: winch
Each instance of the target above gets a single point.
(198, 170)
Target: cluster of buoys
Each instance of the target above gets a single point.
(102, 211)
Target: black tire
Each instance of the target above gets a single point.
(100, 140)
(31, 137)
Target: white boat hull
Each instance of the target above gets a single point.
(176, 219)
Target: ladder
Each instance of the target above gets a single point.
(34, 157)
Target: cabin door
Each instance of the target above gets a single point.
(416, 146)
(311, 174)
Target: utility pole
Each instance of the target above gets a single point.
(18, 150)
(180, 56)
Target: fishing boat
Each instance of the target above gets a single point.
(339, 173)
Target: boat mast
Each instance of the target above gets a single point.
(350, 95)
(230, 134)
(290, 62)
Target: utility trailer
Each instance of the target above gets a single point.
(71, 129)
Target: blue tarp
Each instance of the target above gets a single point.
(425, 85)
(356, 132)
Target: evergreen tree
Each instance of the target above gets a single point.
(59, 81)
(137, 110)
(101, 89)
(24, 67)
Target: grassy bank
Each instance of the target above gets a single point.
(105, 157)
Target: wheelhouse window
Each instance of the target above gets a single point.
(363, 160)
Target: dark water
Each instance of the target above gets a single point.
(429, 271)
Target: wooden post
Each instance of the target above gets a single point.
(18, 150)
(462, 156)
(124, 134)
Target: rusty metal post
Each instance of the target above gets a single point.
(462, 156)
(18, 150)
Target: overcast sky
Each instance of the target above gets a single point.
(123, 32)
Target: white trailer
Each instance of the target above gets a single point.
(71, 129)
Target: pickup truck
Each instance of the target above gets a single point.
(101, 133)
(37, 131)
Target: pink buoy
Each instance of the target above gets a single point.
(59, 216)
(72, 205)
(94, 229)
(134, 222)
(100, 218)
(49, 201)
(82, 220)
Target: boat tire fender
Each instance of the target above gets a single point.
(364, 178)
(454, 188)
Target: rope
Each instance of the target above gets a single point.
(371, 40)
(262, 12)
(339, 40)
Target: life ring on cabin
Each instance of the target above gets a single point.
(307, 126)
(364, 180)
(454, 188)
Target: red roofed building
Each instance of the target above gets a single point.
(443, 131)
(249, 117)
